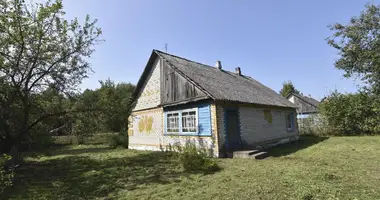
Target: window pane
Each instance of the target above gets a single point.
(189, 123)
(172, 123)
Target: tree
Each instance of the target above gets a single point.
(358, 44)
(114, 100)
(287, 88)
(39, 49)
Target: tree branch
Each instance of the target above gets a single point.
(59, 114)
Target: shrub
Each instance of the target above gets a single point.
(351, 114)
(196, 159)
(119, 140)
(313, 125)
(6, 176)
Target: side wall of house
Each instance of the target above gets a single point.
(255, 128)
(206, 136)
(147, 129)
(258, 125)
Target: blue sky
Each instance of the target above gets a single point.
(272, 40)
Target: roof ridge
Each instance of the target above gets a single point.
(307, 99)
(192, 61)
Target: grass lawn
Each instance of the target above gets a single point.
(314, 168)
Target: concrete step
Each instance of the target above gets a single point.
(244, 154)
(260, 155)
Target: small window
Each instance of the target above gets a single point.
(289, 121)
(189, 121)
(182, 122)
(172, 123)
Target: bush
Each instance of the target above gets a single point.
(119, 140)
(313, 125)
(196, 159)
(351, 114)
(6, 176)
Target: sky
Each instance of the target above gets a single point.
(270, 40)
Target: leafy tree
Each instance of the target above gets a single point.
(114, 100)
(358, 44)
(84, 124)
(287, 88)
(39, 49)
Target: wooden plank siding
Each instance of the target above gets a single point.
(176, 88)
(204, 116)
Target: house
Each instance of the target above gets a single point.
(306, 106)
(178, 100)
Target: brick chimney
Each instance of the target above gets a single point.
(238, 71)
(218, 64)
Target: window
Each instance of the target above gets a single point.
(289, 121)
(182, 122)
(189, 121)
(172, 123)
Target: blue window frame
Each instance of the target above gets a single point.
(182, 122)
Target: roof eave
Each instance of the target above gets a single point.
(258, 104)
(194, 100)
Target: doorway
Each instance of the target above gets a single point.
(233, 139)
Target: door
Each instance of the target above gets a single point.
(233, 140)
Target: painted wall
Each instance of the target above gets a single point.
(146, 130)
(291, 99)
(204, 117)
(205, 137)
(150, 96)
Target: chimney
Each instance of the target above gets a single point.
(218, 64)
(309, 95)
(238, 71)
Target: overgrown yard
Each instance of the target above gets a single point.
(314, 168)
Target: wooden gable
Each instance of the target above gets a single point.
(176, 88)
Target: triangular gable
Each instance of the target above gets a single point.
(148, 91)
(153, 89)
(302, 98)
(177, 88)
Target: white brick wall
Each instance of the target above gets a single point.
(254, 128)
(220, 125)
(153, 138)
(149, 96)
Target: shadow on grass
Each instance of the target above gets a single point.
(290, 148)
(68, 150)
(81, 177)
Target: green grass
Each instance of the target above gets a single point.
(314, 168)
